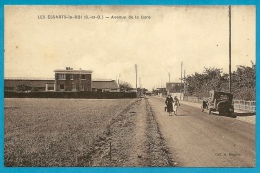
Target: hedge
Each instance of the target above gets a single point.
(82, 95)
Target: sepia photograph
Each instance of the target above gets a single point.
(130, 86)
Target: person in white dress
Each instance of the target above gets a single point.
(176, 104)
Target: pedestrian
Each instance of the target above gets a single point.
(176, 104)
(168, 102)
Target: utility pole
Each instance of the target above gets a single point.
(169, 85)
(119, 78)
(140, 86)
(136, 79)
(169, 74)
(229, 9)
(184, 83)
(181, 77)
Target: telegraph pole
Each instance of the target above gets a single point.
(140, 86)
(119, 79)
(136, 79)
(181, 77)
(184, 83)
(169, 86)
(169, 74)
(229, 9)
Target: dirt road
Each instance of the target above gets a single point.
(196, 139)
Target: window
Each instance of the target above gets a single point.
(49, 87)
(62, 76)
(82, 87)
(62, 86)
(223, 97)
(71, 77)
(83, 77)
(73, 87)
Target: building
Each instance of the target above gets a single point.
(67, 80)
(29, 84)
(174, 87)
(105, 86)
(159, 91)
(72, 80)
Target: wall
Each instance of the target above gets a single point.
(179, 95)
(76, 81)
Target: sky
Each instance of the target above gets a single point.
(36, 43)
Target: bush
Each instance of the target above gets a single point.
(83, 95)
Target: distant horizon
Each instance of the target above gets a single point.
(110, 79)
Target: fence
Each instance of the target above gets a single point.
(248, 106)
(192, 99)
(242, 105)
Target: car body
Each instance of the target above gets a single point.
(220, 102)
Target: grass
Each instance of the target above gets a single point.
(56, 132)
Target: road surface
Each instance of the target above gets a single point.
(196, 139)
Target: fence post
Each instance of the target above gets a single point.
(110, 151)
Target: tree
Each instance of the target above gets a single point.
(243, 82)
(125, 86)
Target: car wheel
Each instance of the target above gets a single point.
(231, 114)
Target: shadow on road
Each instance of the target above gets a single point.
(244, 114)
(224, 115)
(180, 115)
(236, 114)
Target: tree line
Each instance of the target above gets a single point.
(242, 82)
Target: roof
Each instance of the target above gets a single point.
(96, 80)
(108, 84)
(69, 70)
(30, 82)
(167, 83)
(73, 72)
(220, 92)
(27, 78)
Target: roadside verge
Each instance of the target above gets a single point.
(240, 115)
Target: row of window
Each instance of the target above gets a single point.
(174, 85)
(73, 88)
(63, 76)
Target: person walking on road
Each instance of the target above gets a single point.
(168, 102)
(176, 104)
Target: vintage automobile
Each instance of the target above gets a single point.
(220, 102)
